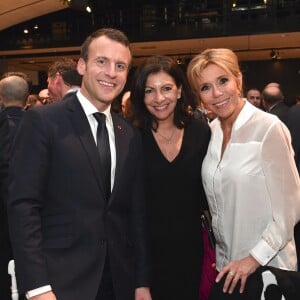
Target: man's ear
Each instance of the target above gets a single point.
(81, 66)
(240, 81)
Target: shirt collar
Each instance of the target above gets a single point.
(244, 115)
(89, 108)
(272, 106)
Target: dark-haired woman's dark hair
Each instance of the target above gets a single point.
(185, 105)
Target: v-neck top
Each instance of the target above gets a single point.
(174, 187)
(175, 197)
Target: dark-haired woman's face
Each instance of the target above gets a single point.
(161, 96)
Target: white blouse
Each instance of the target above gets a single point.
(253, 191)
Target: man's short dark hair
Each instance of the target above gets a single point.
(67, 68)
(111, 33)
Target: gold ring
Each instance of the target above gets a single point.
(231, 273)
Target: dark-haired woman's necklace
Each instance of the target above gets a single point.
(168, 140)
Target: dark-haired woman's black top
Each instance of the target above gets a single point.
(175, 198)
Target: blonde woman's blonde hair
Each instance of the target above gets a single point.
(221, 57)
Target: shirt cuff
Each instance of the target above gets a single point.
(38, 291)
(263, 252)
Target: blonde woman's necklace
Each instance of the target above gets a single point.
(169, 139)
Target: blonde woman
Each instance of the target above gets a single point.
(249, 176)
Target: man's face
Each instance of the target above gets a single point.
(254, 97)
(105, 71)
(53, 88)
(44, 96)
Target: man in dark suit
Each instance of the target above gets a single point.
(14, 91)
(71, 239)
(63, 78)
(293, 124)
(273, 100)
(5, 249)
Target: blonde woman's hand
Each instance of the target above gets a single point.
(235, 271)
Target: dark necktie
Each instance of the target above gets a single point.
(104, 152)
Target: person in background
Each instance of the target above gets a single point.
(22, 75)
(293, 125)
(5, 252)
(126, 106)
(63, 78)
(44, 96)
(33, 100)
(249, 177)
(13, 95)
(19, 74)
(76, 213)
(254, 97)
(201, 112)
(273, 100)
(174, 145)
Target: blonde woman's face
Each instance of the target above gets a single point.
(219, 91)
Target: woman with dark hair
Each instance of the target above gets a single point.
(175, 144)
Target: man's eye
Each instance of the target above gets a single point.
(148, 91)
(121, 67)
(101, 61)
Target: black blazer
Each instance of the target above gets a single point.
(5, 248)
(280, 110)
(60, 226)
(293, 124)
(14, 116)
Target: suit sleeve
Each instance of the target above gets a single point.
(294, 127)
(5, 251)
(27, 180)
(139, 223)
(4, 149)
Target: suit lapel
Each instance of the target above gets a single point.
(83, 132)
(121, 142)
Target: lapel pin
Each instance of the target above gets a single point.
(119, 127)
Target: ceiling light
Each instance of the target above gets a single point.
(179, 60)
(83, 5)
(274, 54)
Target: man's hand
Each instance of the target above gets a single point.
(142, 293)
(237, 270)
(44, 296)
